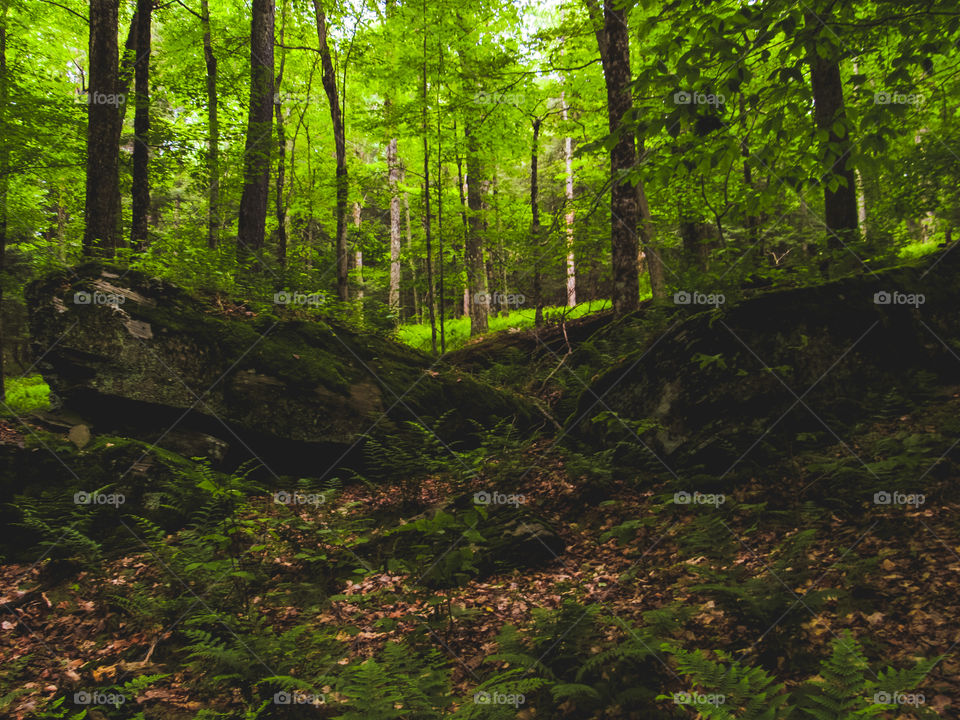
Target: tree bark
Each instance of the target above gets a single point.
(251, 226)
(839, 205)
(535, 225)
(614, 41)
(279, 206)
(426, 190)
(413, 265)
(570, 215)
(473, 252)
(393, 181)
(358, 251)
(213, 132)
(656, 270)
(329, 80)
(4, 176)
(100, 234)
(462, 189)
(141, 129)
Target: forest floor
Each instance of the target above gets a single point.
(788, 545)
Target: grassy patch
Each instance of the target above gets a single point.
(25, 394)
(917, 249)
(457, 330)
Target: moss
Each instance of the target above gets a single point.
(273, 380)
(729, 367)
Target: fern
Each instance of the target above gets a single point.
(401, 684)
(745, 693)
(844, 691)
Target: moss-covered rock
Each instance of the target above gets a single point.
(726, 386)
(138, 355)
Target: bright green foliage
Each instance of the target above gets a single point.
(25, 395)
(729, 690)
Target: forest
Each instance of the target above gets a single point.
(574, 360)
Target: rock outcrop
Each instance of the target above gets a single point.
(138, 356)
(724, 386)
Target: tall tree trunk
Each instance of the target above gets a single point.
(4, 175)
(213, 132)
(358, 251)
(473, 252)
(443, 338)
(426, 190)
(613, 39)
(413, 265)
(751, 221)
(494, 306)
(141, 129)
(840, 204)
(256, 190)
(329, 79)
(280, 207)
(570, 215)
(655, 265)
(103, 133)
(535, 225)
(393, 181)
(462, 188)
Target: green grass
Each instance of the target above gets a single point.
(25, 394)
(917, 249)
(457, 330)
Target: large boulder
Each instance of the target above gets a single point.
(139, 356)
(714, 389)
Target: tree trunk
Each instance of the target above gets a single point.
(141, 129)
(655, 267)
(280, 208)
(473, 252)
(393, 181)
(426, 191)
(413, 265)
(103, 133)
(256, 190)
(462, 189)
(751, 221)
(440, 256)
(213, 132)
(839, 205)
(358, 251)
(535, 225)
(614, 40)
(4, 175)
(329, 79)
(570, 214)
